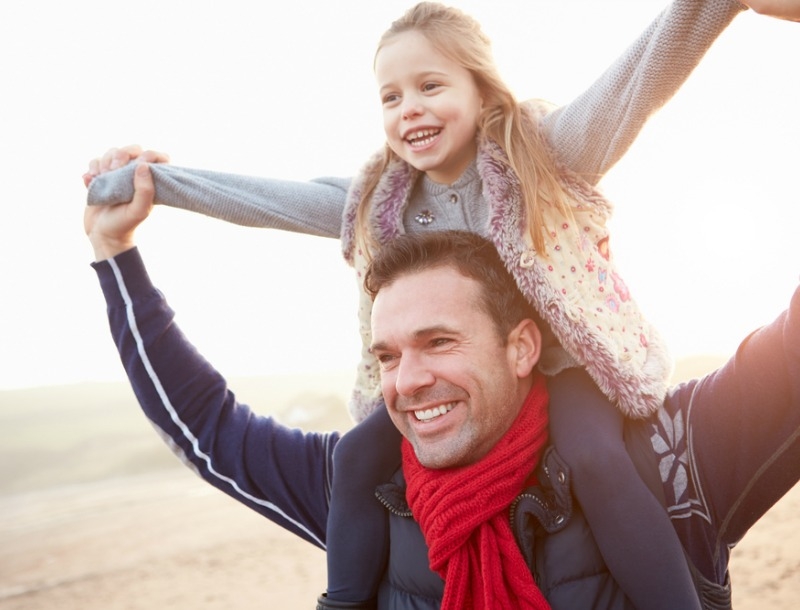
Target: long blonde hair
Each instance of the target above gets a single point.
(460, 38)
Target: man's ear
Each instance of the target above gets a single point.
(525, 345)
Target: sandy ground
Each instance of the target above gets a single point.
(106, 518)
(164, 540)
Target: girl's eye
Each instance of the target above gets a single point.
(430, 86)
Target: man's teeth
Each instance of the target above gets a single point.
(429, 414)
(422, 137)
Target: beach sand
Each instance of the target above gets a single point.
(95, 513)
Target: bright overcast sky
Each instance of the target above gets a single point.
(706, 220)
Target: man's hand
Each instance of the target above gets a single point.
(111, 228)
(118, 157)
(781, 9)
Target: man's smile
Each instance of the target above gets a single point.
(434, 412)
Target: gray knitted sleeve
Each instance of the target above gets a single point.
(313, 207)
(591, 133)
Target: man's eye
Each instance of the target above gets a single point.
(385, 359)
(440, 341)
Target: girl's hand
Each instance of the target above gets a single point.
(781, 9)
(118, 157)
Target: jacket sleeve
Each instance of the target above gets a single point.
(742, 426)
(591, 134)
(313, 207)
(282, 473)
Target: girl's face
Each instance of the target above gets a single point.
(430, 106)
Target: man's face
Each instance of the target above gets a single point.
(451, 387)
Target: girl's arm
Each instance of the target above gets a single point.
(313, 207)
(591, 134)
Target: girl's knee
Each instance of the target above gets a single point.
(354, 451)
(595, 457)
(586, 428)
(370, 450)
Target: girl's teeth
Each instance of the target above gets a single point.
(423, 142)
(422, 138)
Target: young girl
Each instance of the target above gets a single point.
(462, 153)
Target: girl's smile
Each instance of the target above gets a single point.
(419, 138)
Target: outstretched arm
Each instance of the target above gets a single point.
(590, 134)
(737, 430)
(314, 207)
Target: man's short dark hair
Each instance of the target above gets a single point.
(471, 255)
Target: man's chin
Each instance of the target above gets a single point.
(439, 455)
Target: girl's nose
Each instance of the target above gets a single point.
(411, 108)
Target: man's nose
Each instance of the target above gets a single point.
(412, 375)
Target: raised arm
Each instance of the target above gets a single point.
(282, 473)
(590, 134)
(739, 430)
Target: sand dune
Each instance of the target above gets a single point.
(96, 513)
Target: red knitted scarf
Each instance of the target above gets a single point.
(463, 514)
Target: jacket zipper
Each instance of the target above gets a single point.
(393, 509)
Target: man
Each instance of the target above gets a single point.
(458, 349)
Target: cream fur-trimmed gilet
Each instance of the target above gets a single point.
(575, 288)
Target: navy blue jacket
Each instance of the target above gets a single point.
(725, 449)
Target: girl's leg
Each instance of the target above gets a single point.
(631, 527)
(357, 534)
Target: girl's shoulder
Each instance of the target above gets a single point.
(537, 108)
